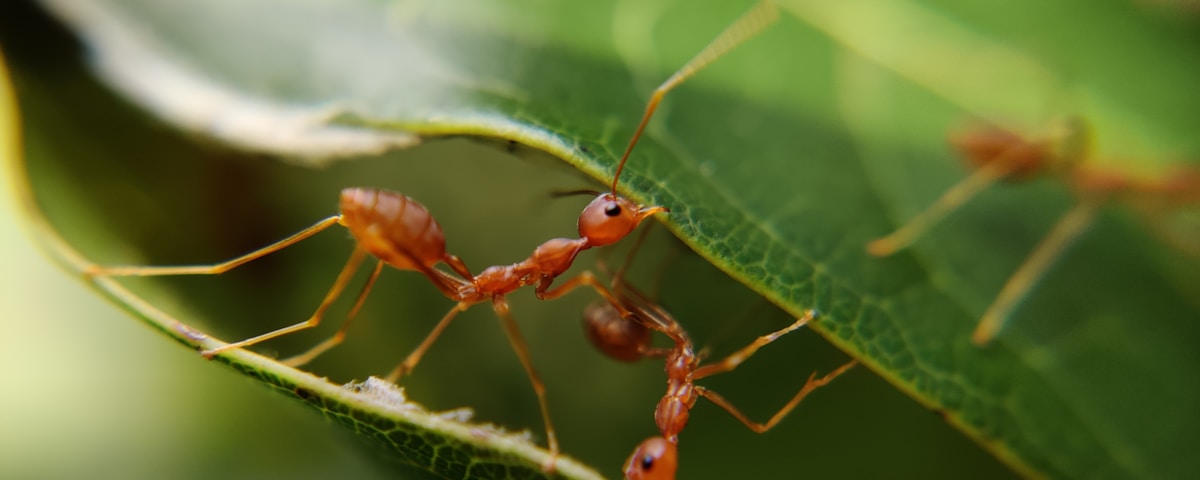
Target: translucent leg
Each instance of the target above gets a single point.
(586, 278)
(340, 336)
(952, 199)
(539, 388)
(736, 358)
(1073, 223)
(215, 268)
(410, 362)
(813, 383)
(343, 278)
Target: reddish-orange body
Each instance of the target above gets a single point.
(656, 458)
(402, 233)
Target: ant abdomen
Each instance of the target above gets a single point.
(393, 227)
(615, 336)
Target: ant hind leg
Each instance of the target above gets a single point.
(210, 269)
(356, 259)
(340, 336)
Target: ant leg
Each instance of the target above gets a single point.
(1068, 228)
(617, 284)
(618, 277)
(813, 383)
(518, 343)
(410, 362)
(1183, 239)
(343, 278)
(337, 338)
(586, 278)
(459, 267)
(211, 269)
(736, 358)
(749, 24)
(904, 236)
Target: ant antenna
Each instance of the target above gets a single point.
(748, 25)
(572, 193)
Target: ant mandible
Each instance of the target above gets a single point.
(625, 336)
(999, 154)
(401, 232)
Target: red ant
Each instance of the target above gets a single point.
(401, 232)
(626, 337)
(623, 332)
(999, 154)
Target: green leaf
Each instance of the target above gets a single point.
(779, 163)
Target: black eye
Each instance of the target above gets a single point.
(647, 462)
(612, 209)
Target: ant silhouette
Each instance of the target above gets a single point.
(998, 154)
(400, 232)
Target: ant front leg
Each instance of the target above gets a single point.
(587, 278)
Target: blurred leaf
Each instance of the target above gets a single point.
(1092, 379)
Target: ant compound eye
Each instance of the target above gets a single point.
(648, 462)
(612, 209)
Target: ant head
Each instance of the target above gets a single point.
(654, 459)
(609, 218)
